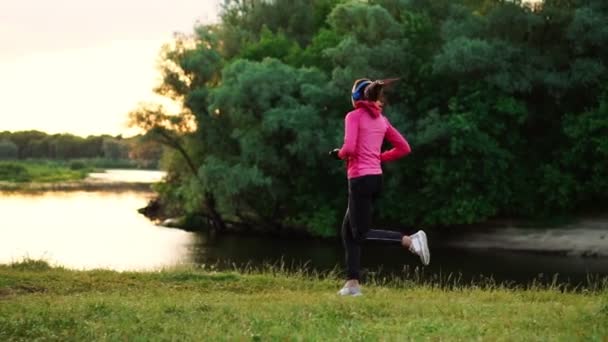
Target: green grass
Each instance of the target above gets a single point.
(56, 171)
(38, 302)
(41, 171)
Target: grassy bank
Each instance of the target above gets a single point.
(51, 175)
(42, 171)
(57, 304)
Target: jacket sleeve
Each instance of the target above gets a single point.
(351, 132)
(400, 148)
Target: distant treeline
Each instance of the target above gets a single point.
(140, 151)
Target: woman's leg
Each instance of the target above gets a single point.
(352, 251)
(416, 243)
(363, 192)
(356, 225)
(357, 222)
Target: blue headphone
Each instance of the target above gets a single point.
(358, 93)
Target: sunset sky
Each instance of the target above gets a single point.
(80, 66)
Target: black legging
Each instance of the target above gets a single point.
(362, 192)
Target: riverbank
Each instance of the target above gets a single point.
(40, 302)
(34, 177)
(583, 237)
(82, 185)
(15, 173)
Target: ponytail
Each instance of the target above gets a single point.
(365, 89)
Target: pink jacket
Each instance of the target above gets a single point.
(364, 131)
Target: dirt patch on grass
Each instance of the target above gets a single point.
(5, 293)
(22, 289)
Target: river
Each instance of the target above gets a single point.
(98, 229)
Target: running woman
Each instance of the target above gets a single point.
(365, 128)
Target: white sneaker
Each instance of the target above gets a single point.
(420, 247)
(350, 291)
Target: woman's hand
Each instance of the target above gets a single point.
(334, 153)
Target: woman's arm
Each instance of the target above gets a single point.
(351, 132)
(400, 148)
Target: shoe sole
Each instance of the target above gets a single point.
(350, 293)
(426, 253)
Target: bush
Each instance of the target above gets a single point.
(14, 173)
(77, 165)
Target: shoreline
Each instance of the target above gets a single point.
(583, 238)
(94, 181)
(82, 185)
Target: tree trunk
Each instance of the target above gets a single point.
(209, 203)
(216, 218)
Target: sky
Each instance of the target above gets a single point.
(80, 66)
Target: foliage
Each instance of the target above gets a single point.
(14, 172)
(586, 159)
(275, 131)
(270, 45)
(501, 101)
(40, 171)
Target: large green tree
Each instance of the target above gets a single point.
(503, 102)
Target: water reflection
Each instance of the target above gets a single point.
(117, 175)
(467, 264)
(86, 230)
